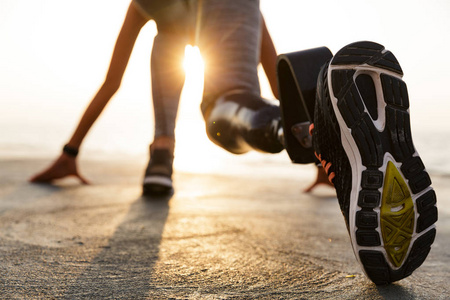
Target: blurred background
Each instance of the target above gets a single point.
(54, 55)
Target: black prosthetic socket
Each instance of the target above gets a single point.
(297, 78)
(240, 122)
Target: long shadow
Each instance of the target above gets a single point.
(122, 270)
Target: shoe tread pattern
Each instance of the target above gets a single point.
(396, 138)
(367, 53)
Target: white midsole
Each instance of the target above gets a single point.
(158, 180)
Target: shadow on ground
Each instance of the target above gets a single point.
(124, 267)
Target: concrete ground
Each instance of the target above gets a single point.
(249, 235)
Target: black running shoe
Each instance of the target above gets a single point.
(158, 175)
(362, 135)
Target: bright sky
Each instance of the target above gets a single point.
(54, 55)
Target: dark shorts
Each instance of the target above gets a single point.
(176, 16)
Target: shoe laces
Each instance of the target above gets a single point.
(326, 165)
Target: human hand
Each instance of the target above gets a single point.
(64, 166)
(321, 178)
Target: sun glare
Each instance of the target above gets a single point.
(190, 125)
(193, 66)
(194, 152)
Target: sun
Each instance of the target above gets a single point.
(194, 67)
(190, 130)
(194, 152)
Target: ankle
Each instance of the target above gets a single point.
(163, 142)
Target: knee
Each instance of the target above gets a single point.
(221, 126)
(240, 121)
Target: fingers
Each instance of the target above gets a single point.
(36, 179)
(43, 177)
(63, 167)
(310, 188)
(83, 179)
(321, 178)
(315, 184)
(46, 177)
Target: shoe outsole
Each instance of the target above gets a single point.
(392, 206)
(157, 185)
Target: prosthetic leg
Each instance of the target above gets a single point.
(239, 121)
(297, 80)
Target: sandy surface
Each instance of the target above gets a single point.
(218, 237)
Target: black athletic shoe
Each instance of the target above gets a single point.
(362, 135)
(158, 175)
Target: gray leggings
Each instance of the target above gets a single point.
(237, 118)
(229, 40)
(174, 20)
